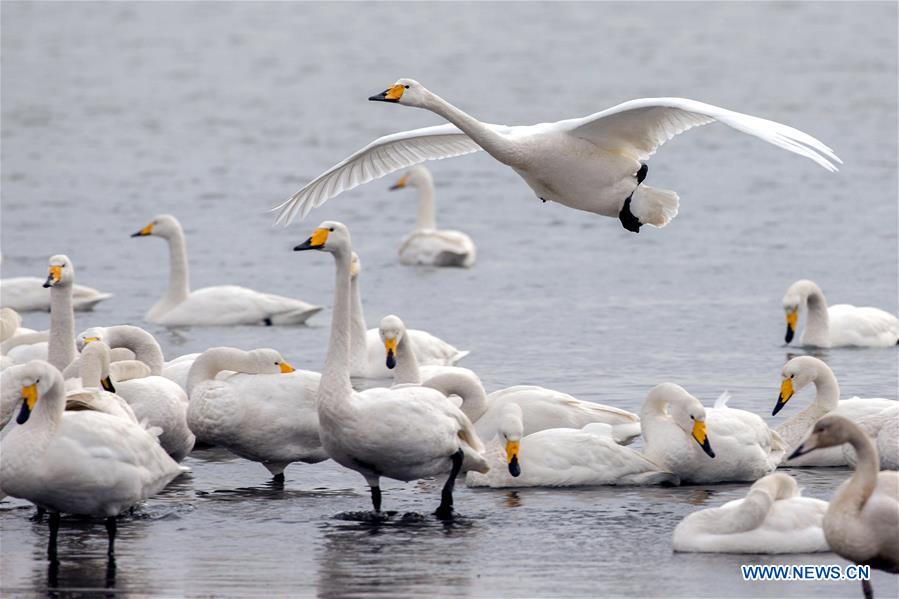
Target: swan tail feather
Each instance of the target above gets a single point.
(298, 316)
(653, 206)
(460, 354)
(722, 400)
(625, 434)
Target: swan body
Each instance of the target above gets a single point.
(27, 294)
(264, 412)
(404, 433)
(804, 370)
(595, 163)
(221, 305)
(427, 245)
(883, 428)
(704, 445)
(862, 521)
(367, 350)
(772, 518)
(11, 325)
(842, 325)
(561, 457)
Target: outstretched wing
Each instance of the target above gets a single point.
(641, 126)
(381, 157)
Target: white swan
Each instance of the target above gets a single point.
(561, 457)
(596, 163)
(400, 354)
(27, 294)
(405, 433)
(427, 245)
(862, 520)
(680, 433)
(220, 305)
(161, 403)
(841, 325)
(802, 371)
(264, 413)
(95, 389)
(772, 518)
(367, 350)
(81, 462)
(12, 334)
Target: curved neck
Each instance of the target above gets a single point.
(145, 347)
(406, 369)
(213, 361)
(851, 497)
(495, 144)
(427, 212)
(94, 366)
(179, 274)
(827, 389)
(335, 385)
(474, 398)
(358, 331)
(61, 345)
(817, 325)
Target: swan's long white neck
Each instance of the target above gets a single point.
(61, 344)
(145, 347)
(654, 412)
(495, 144)
(179, 273)
(213, 361)
(851, 498)
(827, 393)
(817, 324)
(358, 359)
(406, 369)
(50, 404)
(474, 398)
(94, 366)
(335, 389)
(427, 211)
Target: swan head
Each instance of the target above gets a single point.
(61, 273)
(392, 330)
(330, 236)
(269, 361)
(686, 411)
(795, 297)
(829, 431)
(164, 225)
(35, 380)
(510, 430)
(796, 374)
(355, 266)
(417, 177)
(88, 336)
(405, 91)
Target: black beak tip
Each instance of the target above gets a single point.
(391, 360)
(706, 447)
(789, 336)
(796, 453)
(393, 187)
(46, 285)
(514, 468)
(24, 413)
(376, 98)
(306, 245)
(778, 407)
(136, 234)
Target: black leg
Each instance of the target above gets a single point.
(376, 498)
(110, 531)
(38, 515)
(867, 590)
(445, 509)
(54, 531)
(279, 478)
(641, 174)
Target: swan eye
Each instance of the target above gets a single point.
(406, 86)
(691, 417)
(331, 229)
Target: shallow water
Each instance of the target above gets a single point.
(215, 112)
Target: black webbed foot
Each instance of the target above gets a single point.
(627, 218)
(641, 174)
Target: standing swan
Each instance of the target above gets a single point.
(82, 462)
(862, 521)
(798, 373)
(426, 245)
(772, 518)
(841, 325)
(595, 163)
(405, 433)
(220, 305)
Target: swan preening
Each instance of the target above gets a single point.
(804, 370)
(220, 305)
(404, 433)
(862, 521)
(77, 462)
(595, 163)
(772, 518)
(840, 325)
(427, 245)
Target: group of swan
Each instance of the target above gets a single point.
(595, 163)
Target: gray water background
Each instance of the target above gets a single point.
(214, 112)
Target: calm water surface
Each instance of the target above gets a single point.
(113, 113)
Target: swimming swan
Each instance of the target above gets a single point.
(81, 462)
(596, 163)
(680, 435)
(797, 374)
(220, 305)
(561, 457)
(405, 433)
(264, 413)
(841, 325)
(427, 245)
(862, 520)
(772, 518)
(27, 294)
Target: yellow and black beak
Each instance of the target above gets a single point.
(399, 184)
(286, 368)
(106, 382)
(53, 276)
(699, 433)
(148, 230)
(90, 340)
(391, 94)
(792, 318)
(786, 392)
(29, 398)
(390, 346)
(315, 242)
(512, 458)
